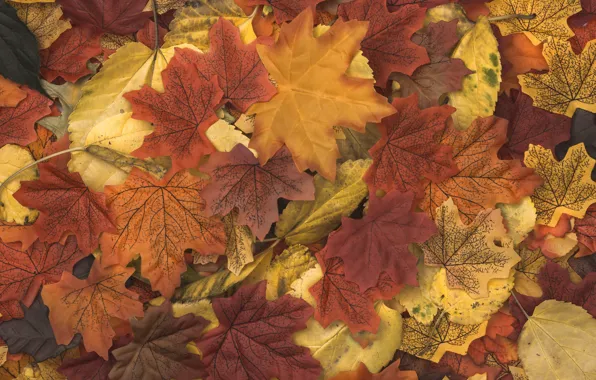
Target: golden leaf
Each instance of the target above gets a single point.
(12, 158)
(550, 21)
(225, 136)
(468, 252)
(417, 305)
(569, 84)
(314, 94)
(478, 97)
(568, 187)
(557, 342)
(306, 222)
(201, 308)
(519, 218)
(164, 5)
(43, 20)
(287, 268)
(450, 12)
(239, 243)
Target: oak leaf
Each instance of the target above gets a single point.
(239, 70)
(66, 207)
(555, 342)
(569, 82)
(379, 241)
(468, 251)
(568, 187)
(321, 86)
(550, 20)
(410, 148)
(86, 306)
(529, 124)
(387, 42)
(237, 180)
(43, 20)
(253, 339)
(107, 16)
(482, 180)
(67, 57)
(181, 114)
(159, 219)
(24, 272)
(10, 93)
(158, 350)
(16, 123)
(340, 299)
(286, 10)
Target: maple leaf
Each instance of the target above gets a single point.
(237, 180)
(585, 228)
(146, 35)
(253, 339)
(585, 33)
(238, 68)
(379, 241)
(519, 56)
(159, 219)
(568, 187)
(321, 86)
(410, 148)
(550, 21)
(387, 43)
(66, 206)
(16, 123)
(483, 180)
(86, 306)
(10, 93)
(468, 252)
(158, 350)
(442, 74)
(569, 83)
(286, 10)
(90, 366)
(67, 57)
(33, 334)
(529, 124)
(43, 20)
(392, 372)
(239, 247)
(181, 115)
(556, 284)
(24, 272)
(340, 299)
(107, 16)
(14, 232)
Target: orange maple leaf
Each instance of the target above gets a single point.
(314, 94)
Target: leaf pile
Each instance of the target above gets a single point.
(297, 189)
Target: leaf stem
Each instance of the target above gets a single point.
(21, 170)
(156, 24)
(512, 16)
(520, 305)
(268, 240)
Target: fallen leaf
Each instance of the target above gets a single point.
(356, 145)
(10, 93)
(286, 10)
(12, 159)
(68, 94)
(158, 349)
(146, 35)
(285, 269)
(43, 20)
(392, 372)
(341, 100)
(237, 180)
(239, 246)
(410, 148)
(468, 252)
(394, 5)
(253, 330)
(519, 218)
(519, 56)
(13, 232)
(86, 306)
(17, 122)
(90, 366)
(159, 219)
(583, 130)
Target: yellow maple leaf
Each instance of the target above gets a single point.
(519, 218)
(568, 187)
(13, 158)
(43, 20)
(569, 84)
(314, 94)
(550, 18)
(557, 342)
(468, 252)
(431, 342)
(225, 136)
(239, 243)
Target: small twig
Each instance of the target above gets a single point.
(520, 306)
(268, 240)
(510, 17)
(156, 24)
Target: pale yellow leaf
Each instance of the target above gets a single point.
(519, 218)
(225, 137)
(13, 158)
(239, 243)
(287, 268)
(418, 306)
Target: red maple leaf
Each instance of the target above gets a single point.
(107, 16)
(340, 299)
(22, 273)
(254, 338)
(146, 35)
(159, 219)
(13, 232)
(556, 285)
(585, 229)
(90, 366)
(584, 33)
(86, 306)
(239, 181)
(239, 70)
(182, 114)
(410, 148)
(17, 123)
(67, 57)
(67, 206)
(529, 125)
(387, 43)
(379, 241)
(285, 10)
